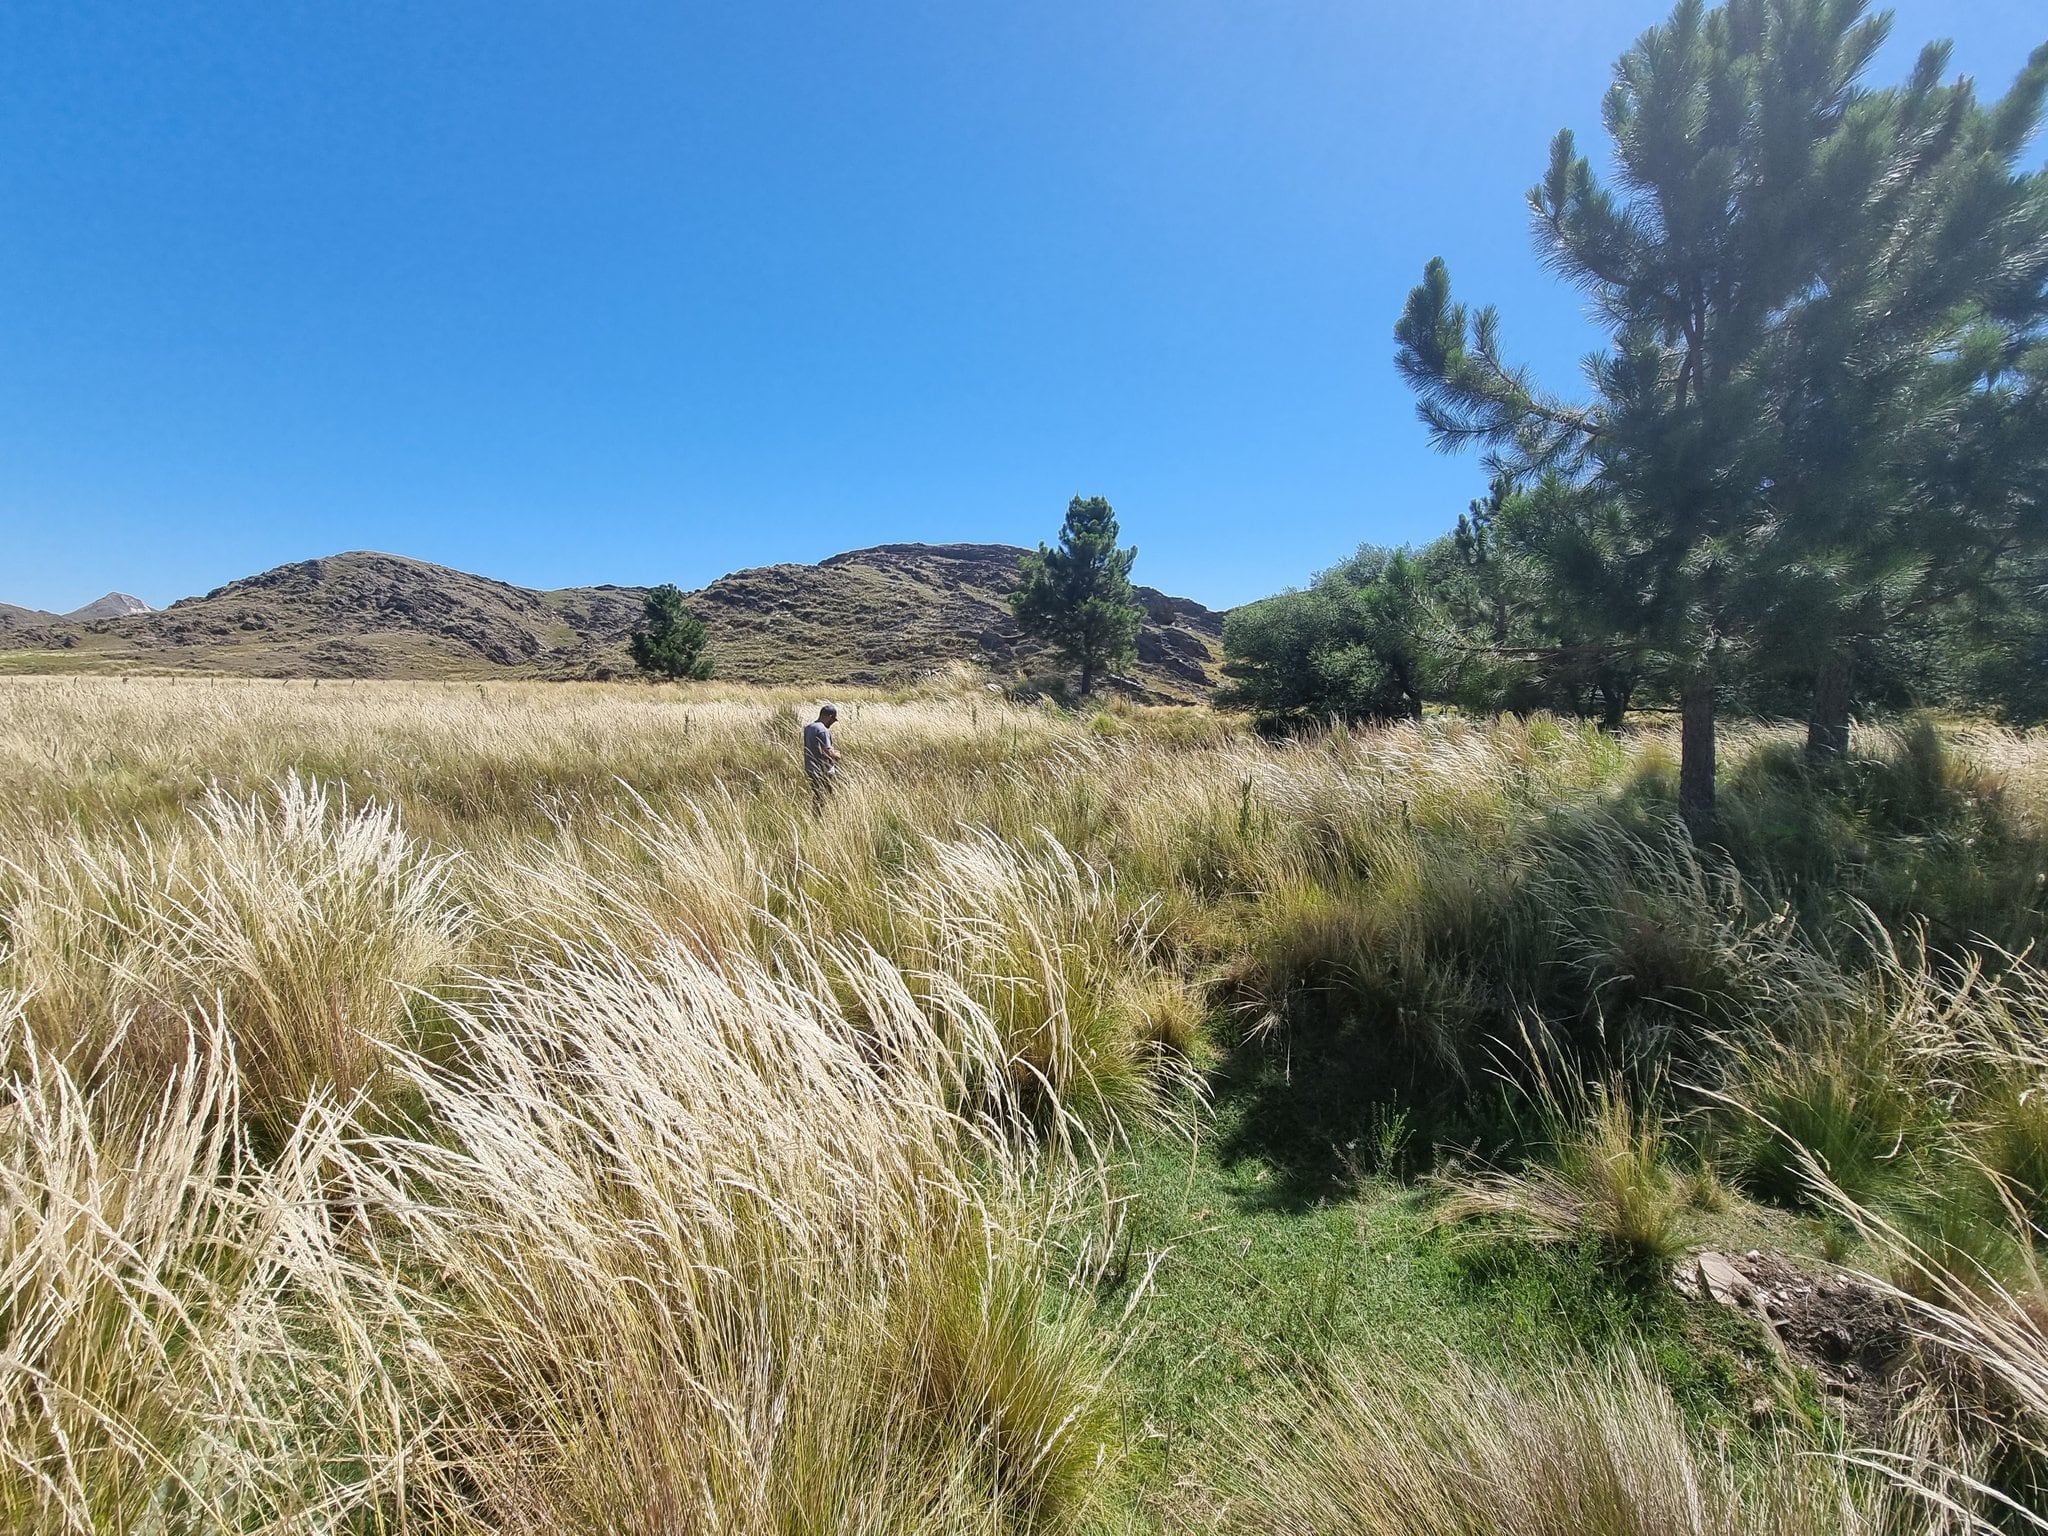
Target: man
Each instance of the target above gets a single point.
(819, 757)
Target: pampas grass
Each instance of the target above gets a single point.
(455, 1109)
(303, 923)
(1405, 1447)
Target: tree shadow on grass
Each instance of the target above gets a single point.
(1608, 936)
(1323, 1099)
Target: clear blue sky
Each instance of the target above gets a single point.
(596, 291)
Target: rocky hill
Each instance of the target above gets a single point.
(874, 615)
(113, 605)
(16, 620)
(871, 616)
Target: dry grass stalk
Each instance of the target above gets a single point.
(1392, 1447)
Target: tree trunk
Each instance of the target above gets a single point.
(1827, 725)
(1613, 706)
(1696, 753)
(1087, 676)
(1411, 696)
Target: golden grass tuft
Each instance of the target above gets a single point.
(1606, 1174)
(191, 1345)
(305, 924)
(1391, 1447)
(708, 1255)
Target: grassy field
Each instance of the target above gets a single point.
(507, 1108)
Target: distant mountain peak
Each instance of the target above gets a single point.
(115, 605)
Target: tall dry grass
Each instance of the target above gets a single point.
(683, 1247)
(1605, 1172)
(191, 1343)
(701, 1253)
(1916, 1120)
(1920, 1092)
(448, 1108)
(305, 924)
(596, 1166)
(1406, 1447)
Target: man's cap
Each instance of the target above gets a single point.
(828, 709)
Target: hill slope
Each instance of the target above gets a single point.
(113, 605)
(877, 615)
(15, 620)
(880, 615)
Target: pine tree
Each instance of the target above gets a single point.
(1571, 574)
(673, 643)
(1078, 598)
(1773, 216)
(1897, 381)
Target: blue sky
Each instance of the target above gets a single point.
(610, 291)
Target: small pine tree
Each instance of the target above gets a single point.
(673, 644)
(1078, 598)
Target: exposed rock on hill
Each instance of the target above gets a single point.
(113, 606)
(358, 615)
(876, 615)
(880, 615)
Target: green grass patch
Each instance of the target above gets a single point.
(1244, 1293)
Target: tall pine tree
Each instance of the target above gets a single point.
(1893, 381)
(1772, 217)
(1078, 598)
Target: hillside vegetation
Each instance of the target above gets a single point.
(448, 1107)
(871, 616)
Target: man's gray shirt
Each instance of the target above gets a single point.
(818, 748)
